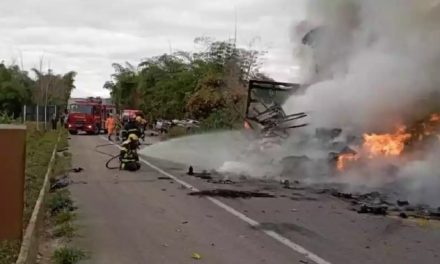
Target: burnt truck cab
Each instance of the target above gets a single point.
(85, 116)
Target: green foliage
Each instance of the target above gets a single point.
(206, 85)
(9, 251)
(5, 118)
(64, 217)
(66, 230)
(39, 147)
(15, 89)
(68, 255)
(60, 202)
(18, 89)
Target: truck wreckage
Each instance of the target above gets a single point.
(264, 112)
(339, 151)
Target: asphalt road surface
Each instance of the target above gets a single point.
(148, 217)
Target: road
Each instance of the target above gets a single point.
(148, 217)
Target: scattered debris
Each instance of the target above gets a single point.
(202, 175)
(221, 182)
(60, 183)
(164, 190)
(326, 134)
(164, 178)
(402, 203)
(77, 170)
(379, 204)
(403, 215)
(232, 194)
(376, 210)
(196, 256)
(184, 222)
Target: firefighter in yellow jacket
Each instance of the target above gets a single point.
(128, 156)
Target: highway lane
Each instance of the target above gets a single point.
(139, 218)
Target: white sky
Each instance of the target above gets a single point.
(87, 36)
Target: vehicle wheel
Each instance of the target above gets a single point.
(73, 132)
(97, 131)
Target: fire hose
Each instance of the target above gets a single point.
(112, 157)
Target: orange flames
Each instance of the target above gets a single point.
(386, 144)
(344, 159)
(391, 144)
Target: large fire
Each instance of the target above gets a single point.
(386, 144)
(391, 144)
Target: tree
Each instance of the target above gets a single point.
(186, 84)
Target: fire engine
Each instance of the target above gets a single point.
(87, 115)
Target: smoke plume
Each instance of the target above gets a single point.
(375, 65)
(378, 63)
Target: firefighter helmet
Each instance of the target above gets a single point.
(133, 137)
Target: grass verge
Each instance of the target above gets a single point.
(39, 147)
(61, 212)
(68, 255)
(9, 251)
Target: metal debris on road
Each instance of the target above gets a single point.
(232, 194)
(196, 256)
(202, 175)
(369, 209)
(402, 203)
(60, 183)
(77, 170)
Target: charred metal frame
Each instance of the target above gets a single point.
(273, 117)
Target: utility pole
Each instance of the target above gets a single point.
(170, 47)
(235, 29)
(45, 101)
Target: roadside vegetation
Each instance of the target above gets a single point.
(209, 85)
(18, 88)
(60, 213)
(39, 147)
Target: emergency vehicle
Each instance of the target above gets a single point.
(87, 115)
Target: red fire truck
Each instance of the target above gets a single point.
(87, 115)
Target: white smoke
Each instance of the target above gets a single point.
(378, 66)
(377, 61)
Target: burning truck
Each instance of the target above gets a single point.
(371, 103)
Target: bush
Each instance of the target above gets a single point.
(9, 251)
(66, 230)
(60, 202)
(64, 217)
(67, 255)
(5, 118)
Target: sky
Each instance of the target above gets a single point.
(87, 36)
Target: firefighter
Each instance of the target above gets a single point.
(110, 124)
(130, 128)
(142, 123)
(128, 157)
(118, 127)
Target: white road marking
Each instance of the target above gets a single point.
(283, 240)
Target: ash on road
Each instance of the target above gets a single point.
(144, 218)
